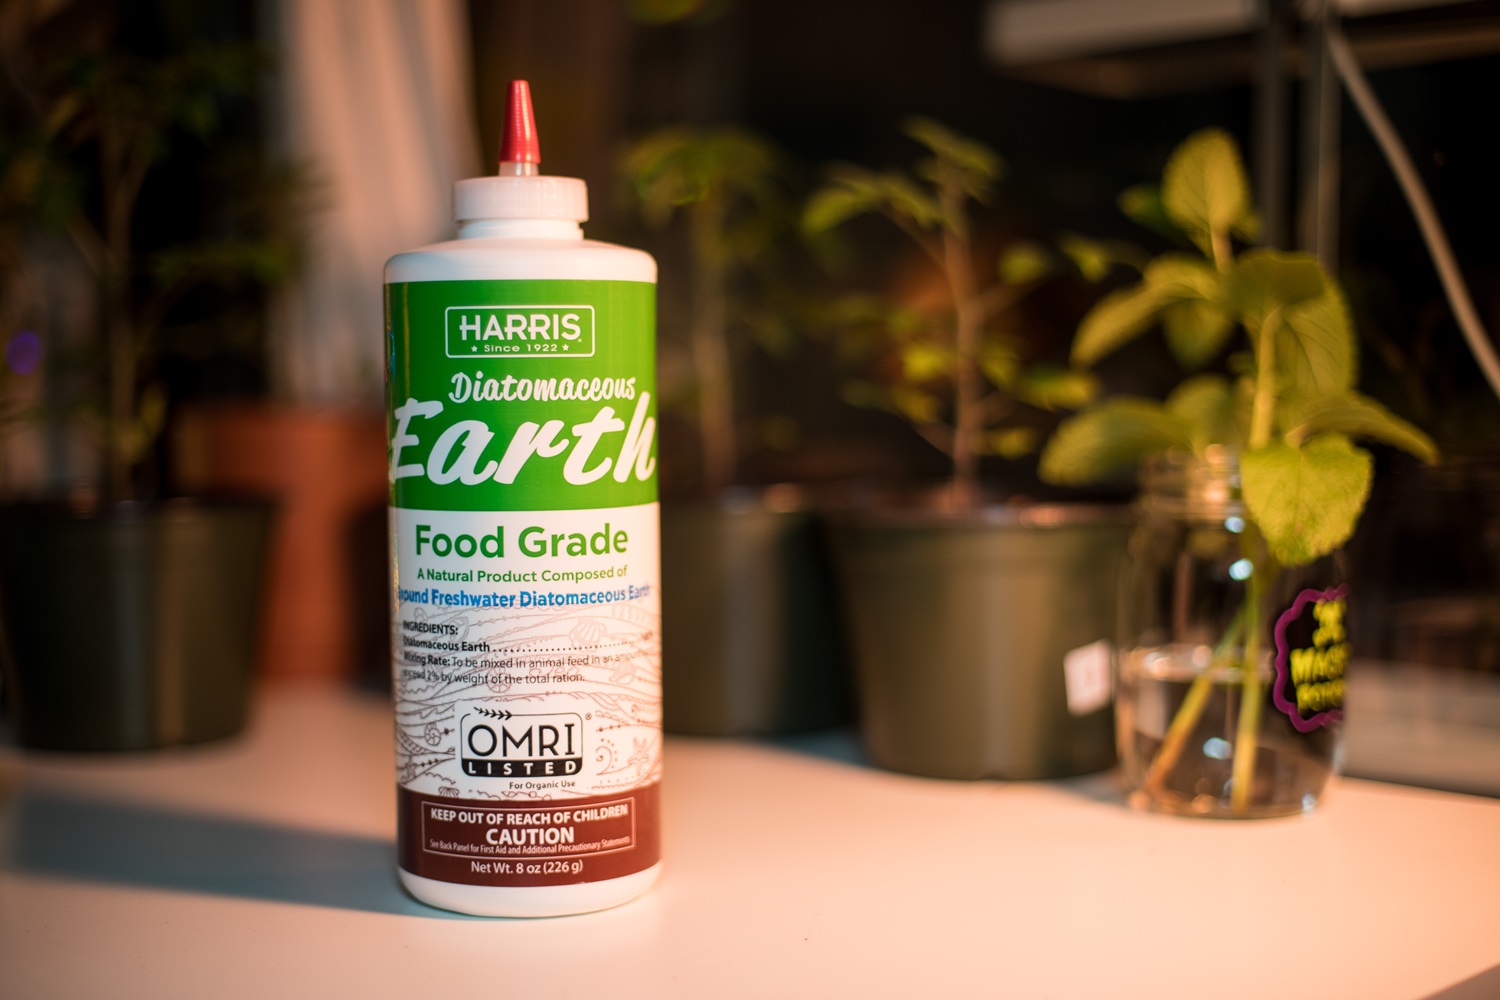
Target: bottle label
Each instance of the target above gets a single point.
(524, 545)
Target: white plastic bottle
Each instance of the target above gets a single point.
(524, 545)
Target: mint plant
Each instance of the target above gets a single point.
(1288, 408)
(957, 377)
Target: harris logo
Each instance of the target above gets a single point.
(519, 331)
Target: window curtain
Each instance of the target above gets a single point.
(373, 105)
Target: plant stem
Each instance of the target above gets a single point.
(1262, 407)
(710, 347)
(957, 262)
(1223, 251)
(1188, 714)
(1191, 709)
(122, 371)
(119, 185)
(1242, 776)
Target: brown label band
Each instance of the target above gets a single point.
(558, 842)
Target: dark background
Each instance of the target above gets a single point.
(833, 81)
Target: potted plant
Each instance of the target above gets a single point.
(976, 626)
(1232, 642)
(128, 624)
(748, 641)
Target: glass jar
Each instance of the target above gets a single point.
(1230, 666)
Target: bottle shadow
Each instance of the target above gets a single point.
(98, 841)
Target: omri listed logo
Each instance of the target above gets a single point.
(519, 331)
(495, 743)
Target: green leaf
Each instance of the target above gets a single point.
(1048, 387)
(1142, 204)
(675, 167)
(1306, 500)
(66, 109)
(139, 433)
(1315, 350)
(964, 153)
(714, 168)
(1012, 442)
(1180, 276)
(1114, 321)
(906, 198)
(1194, 319)
(866, 395)
(834, 205)
(1023, 263)
(1209, 406)
(1167, 281)
(915, 405)
(1266, 284)
(1204, 190)
(222, 261)
(958, 165)
(1000, 362)
(925, 362)
(1095, 259)
(1196, 331)
(853, 191)
(1357, 416)
(1088, 256)
(1110, 438)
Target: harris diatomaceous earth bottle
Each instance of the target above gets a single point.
(524, 549)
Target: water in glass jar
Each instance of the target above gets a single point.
(1291, 768)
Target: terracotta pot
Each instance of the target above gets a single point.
(326, 470)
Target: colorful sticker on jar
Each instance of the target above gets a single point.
(1312, 653)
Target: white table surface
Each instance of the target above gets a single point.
(262, 867)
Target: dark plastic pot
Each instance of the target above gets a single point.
(130, 629)
(959, 627)
(750, 637)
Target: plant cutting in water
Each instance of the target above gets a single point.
(956, 377)
(1287, 408)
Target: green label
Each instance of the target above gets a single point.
(521, 395)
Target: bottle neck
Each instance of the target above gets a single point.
(521, 229)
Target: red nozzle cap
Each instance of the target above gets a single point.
(518, 143)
